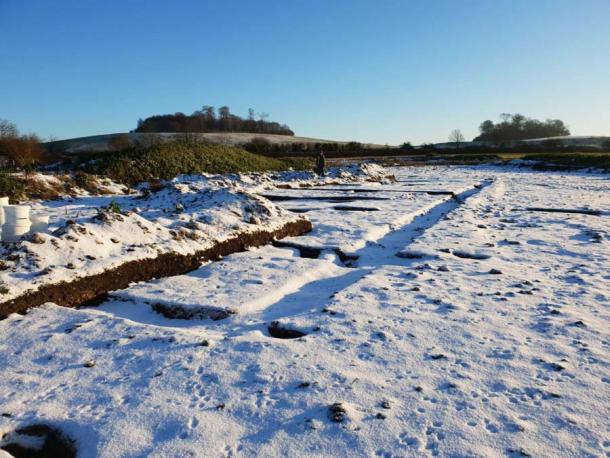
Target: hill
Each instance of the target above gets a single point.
(99, 143)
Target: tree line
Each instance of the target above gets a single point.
(514, 127)
(208, 119)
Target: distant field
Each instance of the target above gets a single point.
(547, 160)
(556, 161)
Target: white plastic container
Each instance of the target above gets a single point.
(40, 223)
(13, 213)
(14, 232)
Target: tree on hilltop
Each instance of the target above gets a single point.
(456, 137)
(514, 127)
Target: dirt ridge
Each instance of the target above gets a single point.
(94, 287)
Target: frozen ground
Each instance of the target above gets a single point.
(93, 234)
(435, 325)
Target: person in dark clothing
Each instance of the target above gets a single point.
(320, 163)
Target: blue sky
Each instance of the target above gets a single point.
(385, 71)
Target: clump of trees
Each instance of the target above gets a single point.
(513, 127)
(208, 119)
(22, 151)
(406, 146)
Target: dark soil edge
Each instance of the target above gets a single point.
(88, 289)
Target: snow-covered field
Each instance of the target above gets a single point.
(407, 323)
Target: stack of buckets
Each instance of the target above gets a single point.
(16, 222)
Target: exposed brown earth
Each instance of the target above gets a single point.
(93, 287)
(52, 443)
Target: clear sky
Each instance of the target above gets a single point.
(385, 71)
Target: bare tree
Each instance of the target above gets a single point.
(456, 137)
(8, 129)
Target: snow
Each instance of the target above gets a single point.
(276, 274)
(182, 218)
(335, 228)
(188, 214)
(428, 355)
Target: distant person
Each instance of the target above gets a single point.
(320, 163)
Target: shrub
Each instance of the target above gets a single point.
(85, 181)
(25, 151)
(11, 186)
(258, 145)
(353, 146)
(114, 207)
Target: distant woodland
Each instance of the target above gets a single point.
(514, 127)
(208, 119)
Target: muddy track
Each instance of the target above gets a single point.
(95, 287)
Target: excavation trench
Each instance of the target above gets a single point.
(580, 211)
(87, 290)
(432, 192)
(280, 331)
(312, 252)
(346, 208)
(277, 198)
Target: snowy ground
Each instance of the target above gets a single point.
(443, 326)
(93, 234)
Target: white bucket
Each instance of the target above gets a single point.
(13, 213)
(13, 233)
(3, 203)
(40, 223)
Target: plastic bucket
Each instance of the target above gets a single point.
(12, 213)
(3, 203)
(13, 233)
(40, 223)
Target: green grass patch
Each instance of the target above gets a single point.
(572, 160)
(298, 163)
(167, 160)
